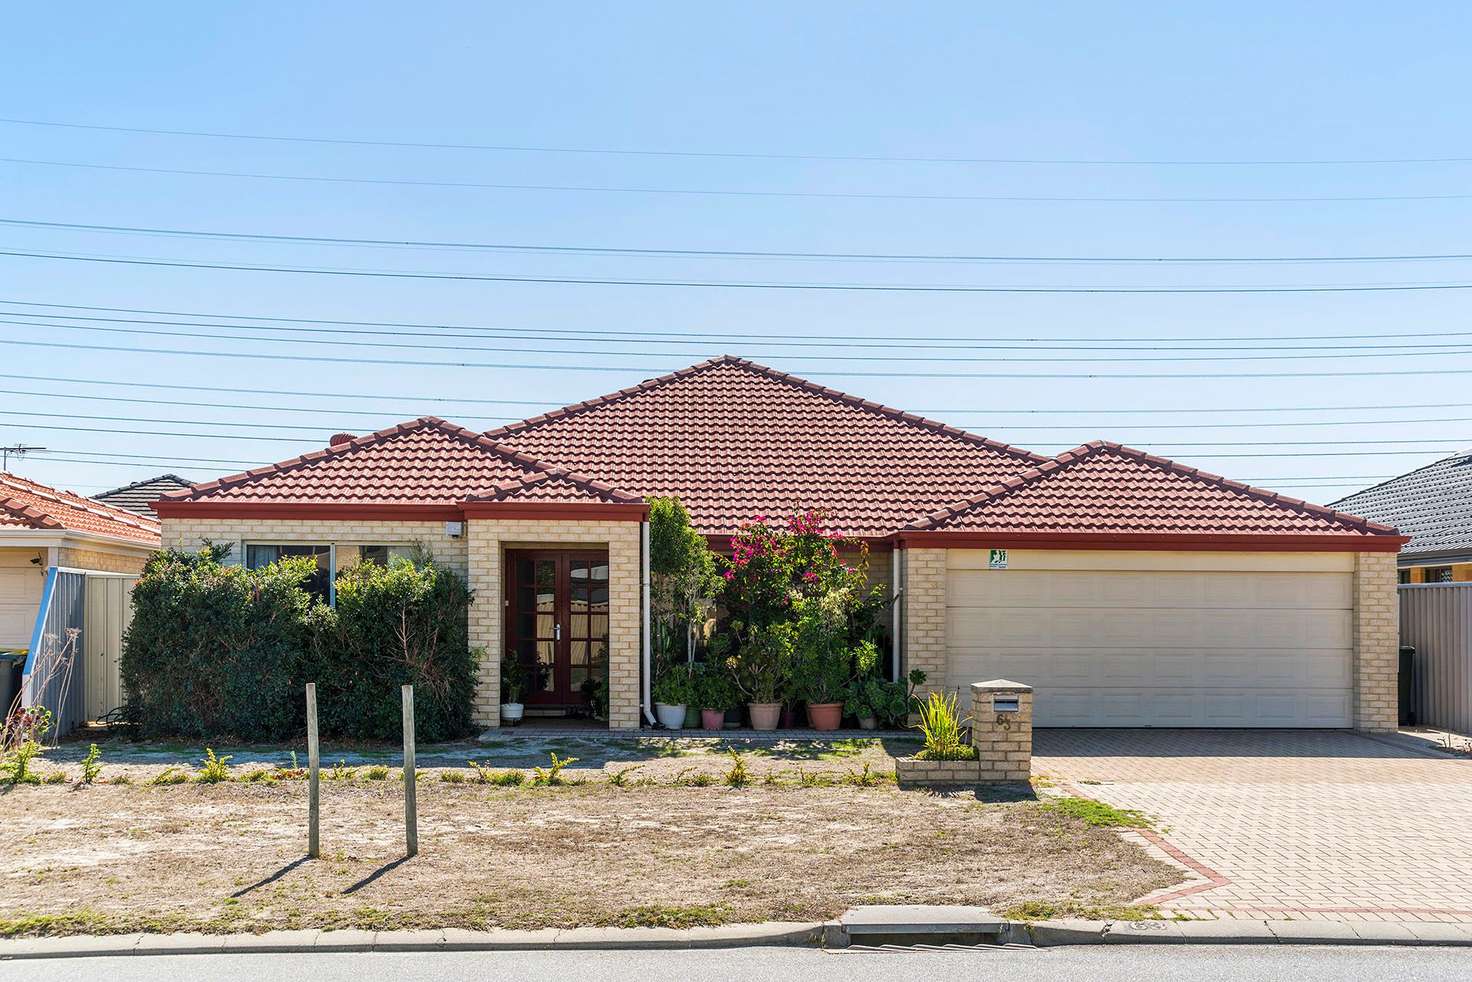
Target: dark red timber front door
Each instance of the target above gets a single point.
(557, 603)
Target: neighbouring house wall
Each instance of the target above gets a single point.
(1376, 642)
(1461, 573)
(21, 583)
(102, 560)
(190, 535)
(488, 541)
(923, 624)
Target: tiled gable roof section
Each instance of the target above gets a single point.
(137, 496)
(1432, 504)
(1107, 488)
(735, 439)
(28, 504)
(425, 461)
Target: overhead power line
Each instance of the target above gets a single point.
(1092, 358)
(728, 284)
(841, 372)
(739, 192)
(824, 340)
(728, 154)
(716, 253)
(441, 400)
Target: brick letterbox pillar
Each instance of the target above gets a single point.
(1001, 729)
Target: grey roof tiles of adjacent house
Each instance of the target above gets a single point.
(1433, 505)
(136, 497)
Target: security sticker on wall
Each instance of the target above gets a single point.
(997, 559)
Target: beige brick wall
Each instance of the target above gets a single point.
(1376, 641)
(104, 560)
(488, 541)
(923, 620)
(190, 534)
(1003, 741)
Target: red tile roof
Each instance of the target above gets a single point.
(734, 440)
(1107, 488)
(424, 461)
(27, 504)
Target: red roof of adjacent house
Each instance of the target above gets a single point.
(1105, 488)
(735, 440)
(27, 504)
(424, 461)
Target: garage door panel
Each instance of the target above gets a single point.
(1128, 647)
(1033, 588)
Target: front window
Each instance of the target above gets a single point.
(382, 555)
(319, 583)
(1436, 574)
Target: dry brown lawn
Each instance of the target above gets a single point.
(230, 857)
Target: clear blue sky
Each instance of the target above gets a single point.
(1142, 82)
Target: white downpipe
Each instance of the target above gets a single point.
(644, 646)
(896, 611)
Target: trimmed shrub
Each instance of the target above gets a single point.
(214, 650)
(403, 624)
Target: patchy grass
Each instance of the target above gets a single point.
(1098, 814)
(148, 858)
(1052, 910)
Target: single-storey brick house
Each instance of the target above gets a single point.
(1130, 590)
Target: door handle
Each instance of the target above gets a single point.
(557, 632)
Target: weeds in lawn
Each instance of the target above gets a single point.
(863, 779)
(213, 769)
(119, 779)
(452, 777)
(1048, 910)
(342, 772)
(257, 775)
(672, 915)
(738, 776)
(54, 777)
(378, 772)
(1097, 813)
(508, 779)
(620, 777)
(169, 775)
(91, 764)
(551, 776)
(17, 763)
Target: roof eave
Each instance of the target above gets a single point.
(1193, 541)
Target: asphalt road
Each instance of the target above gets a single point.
(1228, 963)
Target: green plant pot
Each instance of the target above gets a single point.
(692, 717)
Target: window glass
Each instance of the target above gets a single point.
(319, 583)
(1438, 574)
(381, 555)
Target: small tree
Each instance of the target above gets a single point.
(683, 581)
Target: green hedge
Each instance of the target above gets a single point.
(216, 650)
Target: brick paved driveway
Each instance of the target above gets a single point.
(1286, 823)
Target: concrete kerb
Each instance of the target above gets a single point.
(1042, 934)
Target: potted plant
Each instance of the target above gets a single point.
(759, 670)
(517, 679)
(873, 701)
(714, 693)
(824, 661)
(671, 695)
(824, 681)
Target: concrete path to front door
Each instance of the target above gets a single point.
(1294, 824)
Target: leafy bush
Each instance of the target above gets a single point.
(216, 650)
(401, 624)
(675, 687)
(764, 665)
(713, 688)
(213, 769)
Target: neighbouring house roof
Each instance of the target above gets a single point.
(1432, 504)
(137, 497)
(26, 504)
(735, 440)
(426, 463)
(1104, 488)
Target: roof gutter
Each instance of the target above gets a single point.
(1194, 541)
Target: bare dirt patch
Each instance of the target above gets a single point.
(229, 857)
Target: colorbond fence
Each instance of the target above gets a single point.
(1437, 619)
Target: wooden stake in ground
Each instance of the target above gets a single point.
(314, 777)
(411, 810)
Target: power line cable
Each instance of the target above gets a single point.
(720, 253)
(901, 340)
(1330, 354)
(729, 284)
(841, 372)
(727, 154)
(737, 192)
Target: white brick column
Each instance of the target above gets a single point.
(924, 619)
(1376, 642)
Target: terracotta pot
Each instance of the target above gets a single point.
(712, 719)
(825, 715)
(764, 715)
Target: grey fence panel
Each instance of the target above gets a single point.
(54, 675)
(1437, 620)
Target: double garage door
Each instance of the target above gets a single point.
(1158, 638)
